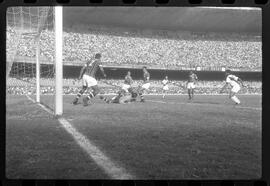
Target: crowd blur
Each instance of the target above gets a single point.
(72, 86)
(141, 47)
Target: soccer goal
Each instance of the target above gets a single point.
(34, 65)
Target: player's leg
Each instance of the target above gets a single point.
(107, 100)
(141, 94)
(233, 97)
(134, 94)
(163, 92)
(91, 95)
(75, 101)
(192, 93)
(165, 89)
(144, 88)
(189, 93)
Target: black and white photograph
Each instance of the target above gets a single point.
(133, 93)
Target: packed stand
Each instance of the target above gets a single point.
(150, 48)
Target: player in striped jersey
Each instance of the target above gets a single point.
(234, 82)
(146, 83)
(192, 78)
(87, 75)
(165, 86)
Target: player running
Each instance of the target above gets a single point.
(192, 78)
(87, 75)
(146, 83)
(127, 82)
(234, 82)
(165, 88)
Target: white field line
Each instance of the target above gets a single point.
(110, 168)
(204, 104)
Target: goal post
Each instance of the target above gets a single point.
(58, 10)
(37, 70)
(34, 48)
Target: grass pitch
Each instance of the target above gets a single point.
(171, 138)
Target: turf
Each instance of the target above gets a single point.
(171, 138)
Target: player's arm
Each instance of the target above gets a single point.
(82, 72)
(223, 88)
(102, 70)
(241, 81)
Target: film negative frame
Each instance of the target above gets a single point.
(263, 4)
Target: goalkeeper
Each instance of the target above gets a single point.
(122, 97)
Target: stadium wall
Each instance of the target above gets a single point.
(70, 72)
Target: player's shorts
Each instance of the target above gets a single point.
(125, 87)
(235, 88)
(89, 81)
(146, 86)
(165, 87)
(190, 85)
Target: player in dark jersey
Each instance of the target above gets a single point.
(87, 74)
(146, 83)
(192, 78)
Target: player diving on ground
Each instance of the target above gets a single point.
(234, 82)
(87, 75)
(122, 97)
(126, 94)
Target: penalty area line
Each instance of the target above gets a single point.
(103, 161)
(205, 104)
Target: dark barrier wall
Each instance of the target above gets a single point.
(119, 73)
(73, 72)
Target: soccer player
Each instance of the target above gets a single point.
(234, 82)
(122, 97)
(192, 78)
(165, 86)
(146, 83)
(87, 75)
(127, 82)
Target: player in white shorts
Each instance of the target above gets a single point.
(127, 82)
(234, 82)
(192, 78)
(87, 75)
(165, 86)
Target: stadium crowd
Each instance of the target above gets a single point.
(150, 48)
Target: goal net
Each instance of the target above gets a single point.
(30, 51)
